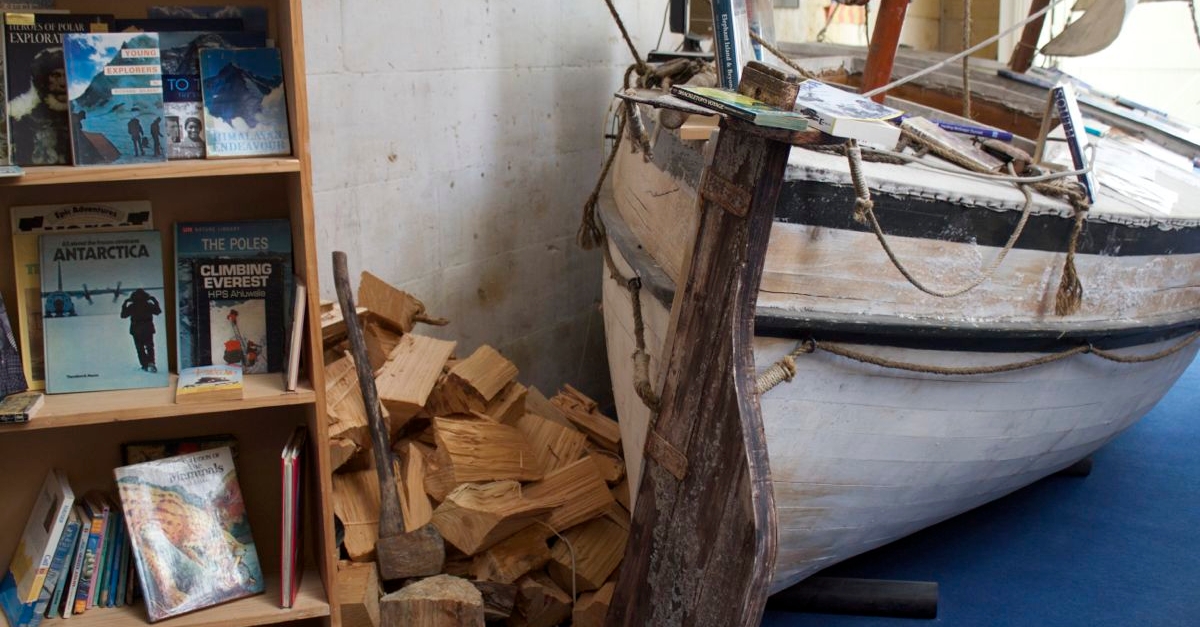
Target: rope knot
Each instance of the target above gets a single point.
(807, 345)
(861, 207)
(635, 283)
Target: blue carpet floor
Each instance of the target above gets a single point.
(1118, 547)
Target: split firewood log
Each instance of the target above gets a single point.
(590, 552)
(438, 601)
(397, 308)
(472, 383)
(540, 602)
(476, 516)
(474, 449)
(408, 376)
(358, 593)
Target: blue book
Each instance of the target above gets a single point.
(116, 102)
(232, 287)
(58, 567)
(1072, 122)
(731, 40)
(254, 17)
(103, 291)
(31, 614)
(64, 601)
(18, 614)
(245, 109)
(974, 131)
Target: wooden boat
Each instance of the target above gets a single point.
(902, 410)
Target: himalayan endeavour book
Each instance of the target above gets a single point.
(30, 222)
(21, 406)
(840, 113)
(232, 281)
(741, 107)
(47, 519)
(291, 515)
(12, 371)
(39, 128)
(94, 342)
(182, 98)
(114, 81)
(203, 384)
(245, 109)
(191, 538)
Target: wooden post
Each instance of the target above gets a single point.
(1022, 54)
(884, 40)
(702, 543)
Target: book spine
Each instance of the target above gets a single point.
(104, 565)
(725, 43)
(91, 556)
(716, 105)
(1068, 113)
(974, 131)
(67, 603)
(61, 556)
(60, 523)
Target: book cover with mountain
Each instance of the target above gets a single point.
(232, 287)
(245, 109)
(27, 224)
(36, 82)
(191, 537)
(104, 325)
(116, 102)
(254, 17)
(181, 83)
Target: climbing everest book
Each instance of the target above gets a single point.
(191, 538)
(232, 290)
(36, 85)
(245, 109)
(104, 323)
(27, 224)
(114, 81)
(181, 83)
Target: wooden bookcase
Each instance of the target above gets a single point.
(82, 433)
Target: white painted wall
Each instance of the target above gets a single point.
(454, 143)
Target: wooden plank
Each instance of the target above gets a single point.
(702, 547)
(60, 174)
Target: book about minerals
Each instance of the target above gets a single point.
(245, 108)
(233, 290)
(104, 326)
(116, 100)
(191, 538)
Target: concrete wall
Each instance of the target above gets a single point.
(454, 143)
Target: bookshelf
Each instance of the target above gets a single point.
(82, 433)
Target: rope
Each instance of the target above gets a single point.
(641, 359)
(966, 69)
(591, 231)
(571, 550)
(973, 49)
(864, 212)
(828, 20)
(1069, 297)
(1036, 181)
(781, 56)
(641, 65)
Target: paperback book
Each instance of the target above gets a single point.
(245, 110)
(204, 384)
(951, 146)
(840, 113)
(43, 529)
(191, 538)
(116, 100)
(21, 406)
(732, 45)
(99, 511)
(172, 24)
(1067, 108)
(12, 372)
(182, 96)
(39, 127)
(741, 107)
(30, 614)
(87, 335)
(28, 223)
(232, 286)
(291, 372)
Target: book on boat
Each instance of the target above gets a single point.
(732, 45)
(191, 537)
(203, 384)
(741, 107)
(841, 113)
(952, 147)
(1063, 96)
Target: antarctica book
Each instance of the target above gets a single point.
(103, 322)
(232, 290)
(116, 100)
(245, 109)
(191, 538)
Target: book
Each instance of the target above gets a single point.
(181, 83)
(174, 24)
(99, 510)
(21, 406)
(43, 529)
(741, 107)
(65, 606)
(150, 450)
(39, 128)
(12, 370)
(28, 223)
(87, 338)
(291, 514)
(57, 575)
(973, 130)
(1063, 96)
(732, 45)
(253, 17)
(191, 538)
(203, 384)
(116, 99)
(841, 113)
(950, 146)
(30, 614)
(6, 6)
(296, 334)
(231, 285)
(245, 109)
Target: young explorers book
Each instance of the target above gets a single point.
(245, 108)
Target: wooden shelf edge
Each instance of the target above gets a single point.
(63, 174)
(260, 609)
(86, 408)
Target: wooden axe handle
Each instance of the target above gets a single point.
(391, 520)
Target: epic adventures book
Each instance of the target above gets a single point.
(30, 222)
(88, 335)
(191, 538)
(114, 81)
(245, 110)
(181, 84)
(39, 130)
(232, 282)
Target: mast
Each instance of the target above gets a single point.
(1022, 54)
(882, 53)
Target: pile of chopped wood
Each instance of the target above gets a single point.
(528, 492)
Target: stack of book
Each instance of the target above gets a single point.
(291, 566)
